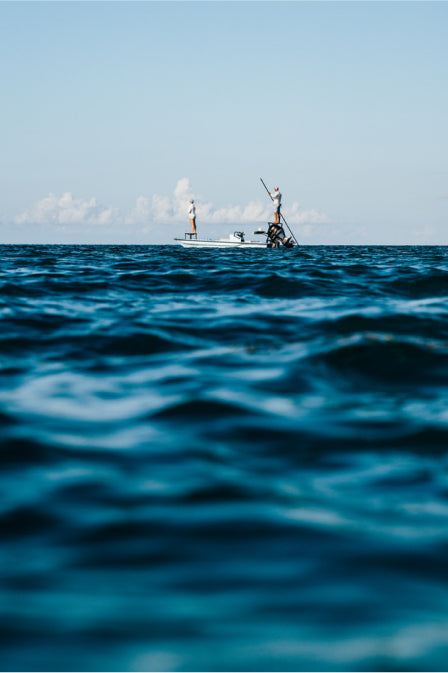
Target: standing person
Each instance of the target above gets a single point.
(277, 199)
(192, 215)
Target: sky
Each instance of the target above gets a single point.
(113, 115)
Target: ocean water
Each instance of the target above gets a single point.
(223, 460)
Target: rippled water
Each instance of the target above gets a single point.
(223, 459)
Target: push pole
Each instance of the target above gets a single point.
(281, 214)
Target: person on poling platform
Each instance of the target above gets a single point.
(277, 199)
(192, 216)
(276, 233)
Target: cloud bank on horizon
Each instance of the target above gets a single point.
(67, 210)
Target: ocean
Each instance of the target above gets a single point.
(223, 460)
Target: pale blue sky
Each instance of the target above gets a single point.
(114, 113)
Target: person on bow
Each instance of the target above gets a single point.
(192, 216)
(277, 199)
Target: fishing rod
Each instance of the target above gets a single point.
(281, 214)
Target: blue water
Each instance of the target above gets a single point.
(223, 460)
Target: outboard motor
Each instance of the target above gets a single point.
(276, 236)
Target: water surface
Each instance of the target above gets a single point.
(227, 460)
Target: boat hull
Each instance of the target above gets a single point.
(223, 243)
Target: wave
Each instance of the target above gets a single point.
(223, 461)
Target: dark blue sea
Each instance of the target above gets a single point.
(223, 460)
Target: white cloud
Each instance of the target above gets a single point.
(67, 210)
(308, 217)
(183, 191)
(141, 213)
(174, 210)
(67, 213)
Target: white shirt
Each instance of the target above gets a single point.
(277, 198)
(192, 211)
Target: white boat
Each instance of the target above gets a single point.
(235, 240)
(275, 237)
